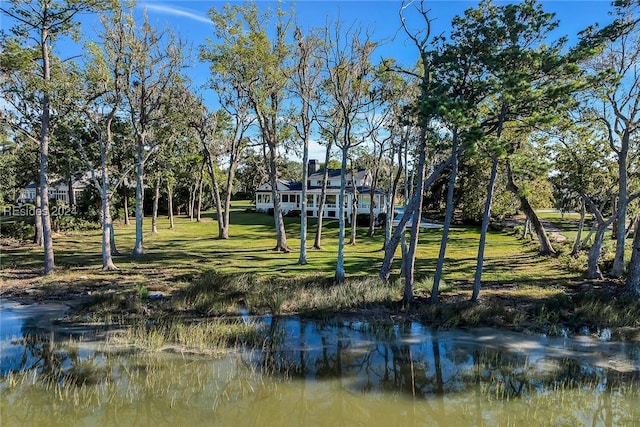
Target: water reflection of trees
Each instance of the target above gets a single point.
(430, 369)
(310, 373)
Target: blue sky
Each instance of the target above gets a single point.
(189, 19)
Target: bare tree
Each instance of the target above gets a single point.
(348, 84)
(618, 109)
(153, 60)
(305, 77)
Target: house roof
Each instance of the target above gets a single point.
(286, 185)
(334, 173)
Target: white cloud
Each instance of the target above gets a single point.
(175, 11)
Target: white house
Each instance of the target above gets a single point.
(58, 190)
(291, 193)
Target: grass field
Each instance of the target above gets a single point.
(191, 248)
(207, 276)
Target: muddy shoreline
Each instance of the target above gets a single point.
(494, 310)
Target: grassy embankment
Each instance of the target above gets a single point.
(199, 275)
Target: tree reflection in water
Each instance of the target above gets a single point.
(310, 373)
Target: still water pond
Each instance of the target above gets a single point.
(313, 373)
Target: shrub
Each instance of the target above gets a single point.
(72, 223)
(382, 218)
(294, 213)
(362, 220)
(88, 205)
(19, 230)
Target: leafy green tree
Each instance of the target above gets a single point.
(28, 61)
(457, 87)
(101, 101)
(258, 66)
(8, 170)
(528, 80)
(177, 153)
(581, 163)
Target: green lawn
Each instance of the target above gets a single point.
(191, 248)
(210, 277)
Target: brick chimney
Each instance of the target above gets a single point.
(313, 166)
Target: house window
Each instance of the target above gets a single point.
(310, 200)
(285, 198)
(331, 199)
(309, 213)
(319, 183)
(331, 214)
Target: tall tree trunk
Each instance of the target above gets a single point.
(340, 274)
(477, 282)
(138, 248)
(231, 174)
(281, 234)
(403, 237)
(302, 258)
(71, 199)
(323, 196)
(545, 244)
(372, 196)
(47, 239)
(409, 260)
(594, 226)
(37, 236)
(156, 197)
(112, 241)
(371, 231)
(191, 207)
(633, 276)
(393, 190)
(593, 270)
(354, 209)
(527, 233)
(107, 223)
(617, 269)
(486, 217)
(447, 218)
(216, 192)
(390, 249)
(107, 229)
(199, 204)
(170, 204)
(577, 245)
(126, 205)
